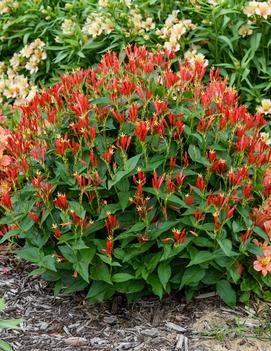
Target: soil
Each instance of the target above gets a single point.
(69, 322)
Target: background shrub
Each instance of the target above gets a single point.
(134, 177)
(233, 35)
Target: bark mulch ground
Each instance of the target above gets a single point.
(69, 322)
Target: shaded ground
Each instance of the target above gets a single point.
(69, 323)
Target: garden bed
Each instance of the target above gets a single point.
(69, 323)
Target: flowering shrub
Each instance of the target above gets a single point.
(134, 178)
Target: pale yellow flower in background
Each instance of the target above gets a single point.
(265, 107)
(15, 61)
(108, 26)
(213, 2)
(128, 3)
(37, 44)
(32, 93)
(171, 46)
(192, 56)
(250, 8)
(2, 67)
(266, 138)
(68, 27)
(172, 18)
(263, 9)
(103, 3)
(26, 51)
(245, 31)
(148, 24)
(32, 64)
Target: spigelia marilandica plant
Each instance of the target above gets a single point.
(134, 177)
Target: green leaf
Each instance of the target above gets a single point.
(133, 286)
(156, 285)
(226, 41)
(124, 197)
(138, 227)
(112, 208)
(36, 272)
(226, 292)
(226, 246)
(68, 253)
(192, 275)
(10, 323)
(255, 41)
(201, 257)
(49, 263)
(82, 268)
(164, 273)
(130, 166)
(32, 254)
(163, 227)
(195, 155)
(99, 291)
(5, 346)
(77, 284)
(122, 277)
(101, 272)
(2, 304)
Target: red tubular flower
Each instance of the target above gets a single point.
(108, 154)
(51, 116)
(62, 144)
(157, 182)
(125, 141)
(25, 164)
(75, 217)
(172, 163)
(58, 258)
(180, 178)
(61, 202)
(211, 155)
(160, 105)
(93, 159)
(247, 190)
(32, 215)
(186, 159)
(189, 199)
(6, 200)
(141, 177)
(111, 224)
(141, 131)
(219, 166)
(200, 184)
(198, 215)
(118, 117)
(179, 236)
(133, 113)
(230, 211)
(57, 232)
(246, 235)
(179, 128)
(109, 247)
(171, 187)
(216, 220)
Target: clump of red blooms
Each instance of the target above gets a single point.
(137, 144)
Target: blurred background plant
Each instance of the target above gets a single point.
(41, 38)
(7, 324)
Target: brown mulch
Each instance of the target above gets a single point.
(69, 322)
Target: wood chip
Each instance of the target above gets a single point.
(76, 341)
(153, 332)
(175, 327)
(182, 343)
